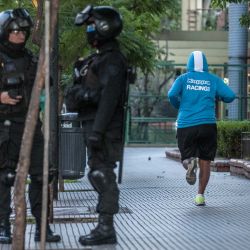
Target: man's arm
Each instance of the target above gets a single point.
(224, 93)
(113, 80)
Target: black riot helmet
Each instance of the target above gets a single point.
(14, 19)
(105, 20)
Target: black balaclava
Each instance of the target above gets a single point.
(91, 34)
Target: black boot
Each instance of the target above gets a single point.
(104, 233)
(5, 235)
(50, 236)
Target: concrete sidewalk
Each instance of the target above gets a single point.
(157, 210)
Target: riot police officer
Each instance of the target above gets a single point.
(98, 95)
(17, 75)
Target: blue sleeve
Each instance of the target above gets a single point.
(223, 92)
(174, 93)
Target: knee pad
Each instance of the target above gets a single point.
(99, 179)
(7, 177)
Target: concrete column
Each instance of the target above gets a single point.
(237, 54)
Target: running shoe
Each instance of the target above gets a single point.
(199, 200)
(191, 170)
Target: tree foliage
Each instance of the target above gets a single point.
(142, 19)
(244, 20)
(223, 3)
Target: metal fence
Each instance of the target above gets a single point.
(152, 131)
(157, 128)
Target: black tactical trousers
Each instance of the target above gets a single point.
(102, 163)
(10, 141)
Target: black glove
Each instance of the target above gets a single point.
(95, 140)
(13, 93)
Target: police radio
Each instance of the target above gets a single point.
(12, 79)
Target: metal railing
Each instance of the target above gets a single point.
(151, 131)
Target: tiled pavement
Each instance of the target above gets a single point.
(157, 210)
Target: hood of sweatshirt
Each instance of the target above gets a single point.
(197, 61)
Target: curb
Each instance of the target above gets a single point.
(240, 167)
(234, 166)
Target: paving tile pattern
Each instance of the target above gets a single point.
(157, 210)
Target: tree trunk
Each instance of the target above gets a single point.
(24, 156)
(37, 34)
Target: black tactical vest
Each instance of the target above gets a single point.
(14, 78)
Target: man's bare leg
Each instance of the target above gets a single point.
(204, 175)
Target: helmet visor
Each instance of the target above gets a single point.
(19, 24)
(22, 17)
(91, 28)
(83, 16)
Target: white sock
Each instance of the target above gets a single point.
(200, 195)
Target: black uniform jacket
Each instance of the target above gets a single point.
(99, 88)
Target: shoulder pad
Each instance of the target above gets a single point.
(83, 60)
(28, 52)
(33, 58)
